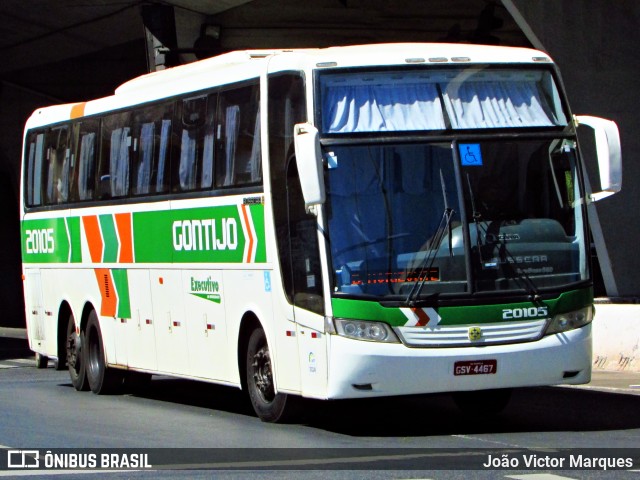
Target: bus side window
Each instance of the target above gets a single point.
(56, 174)
(34, 168)
(238, 135)
(151, 137)
(196, 147)
(113, 174)
(83, 160)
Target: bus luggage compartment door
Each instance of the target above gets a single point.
(34, 310)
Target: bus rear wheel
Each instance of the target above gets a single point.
(75, 354)
(102, 379)
(268, 405)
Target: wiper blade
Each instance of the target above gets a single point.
(477, 217)
(434, 245)
(427, 262)
(529, 286)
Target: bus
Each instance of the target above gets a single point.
(346, 222)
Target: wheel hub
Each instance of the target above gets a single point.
(262, 375)
(73, 350)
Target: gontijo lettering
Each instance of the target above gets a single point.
(207, 234)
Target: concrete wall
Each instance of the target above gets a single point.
(595, 43)
(616, 337)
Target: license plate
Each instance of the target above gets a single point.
(475, 367)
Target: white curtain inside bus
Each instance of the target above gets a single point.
(187, 168)
(143, 179)
(119, 161)
(410, 101)
(162, 160)
(373, 108)
(231, 126)
(496, 105)
(85, 173)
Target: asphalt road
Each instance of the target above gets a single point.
(408, 437)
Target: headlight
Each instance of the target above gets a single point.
(363, 330)
(570, 320)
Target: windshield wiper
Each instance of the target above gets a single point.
(503, 251)
(427, 262)
(434, 245)
(528, 285)
(476, 220)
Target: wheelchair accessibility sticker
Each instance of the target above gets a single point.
(470, 154)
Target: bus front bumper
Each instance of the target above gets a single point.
(359, 369)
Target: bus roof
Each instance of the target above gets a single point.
(241, 65)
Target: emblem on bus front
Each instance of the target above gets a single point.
(475, 333)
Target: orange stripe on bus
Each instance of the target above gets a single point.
(94, 238)
(123, 224)
(77, 110)
(107, 292)
(251, 240)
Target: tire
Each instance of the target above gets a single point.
(102, 379)
(268, 405)
(42, 361)
(486, 402)
(75, 357)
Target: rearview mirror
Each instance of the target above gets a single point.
(607, 141)
(309, 161)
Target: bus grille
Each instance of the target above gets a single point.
(461, 335)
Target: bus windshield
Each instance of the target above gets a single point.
(403, 223)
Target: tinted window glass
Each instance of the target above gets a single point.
(238, 135)
(57, 158)
(151, 149)
(193, 167)
(83, 159)
(117, 146)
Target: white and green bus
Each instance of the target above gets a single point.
(335, 223)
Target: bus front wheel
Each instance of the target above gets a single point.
(268, 405)
(102, 379)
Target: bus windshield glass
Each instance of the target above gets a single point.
(439, 99)
(405, 222)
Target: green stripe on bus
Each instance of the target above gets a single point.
(196, 235)
(45, 241)
(257, 213)
(460, 315)
(73, 226)
(110, 239)
(121, 281)
(212, 297)
(192, 235)
(367, 310)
